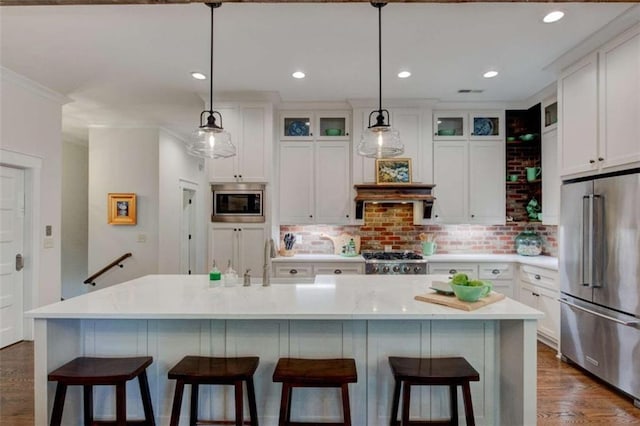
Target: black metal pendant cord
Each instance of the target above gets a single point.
(212, 6)
(380, 6)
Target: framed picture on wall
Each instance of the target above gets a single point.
(121, 208)
(393, 171)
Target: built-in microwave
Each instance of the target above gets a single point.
(238, 202)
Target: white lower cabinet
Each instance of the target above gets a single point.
(500, 274)
(538, 288)
(311, 269)
(240, 243)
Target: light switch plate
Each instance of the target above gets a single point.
(48, 242)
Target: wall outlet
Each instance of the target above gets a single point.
(142, 238)
(48, 242)
(298, 239)
(388, 248)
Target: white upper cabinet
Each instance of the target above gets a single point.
(315, 171)
(599, 109)
(314, 125)
(620, 100)
(469, 172)
(250, 126)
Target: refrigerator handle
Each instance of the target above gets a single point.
(587, 240)
(598, 240)
(598, 314)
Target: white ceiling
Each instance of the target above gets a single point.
(130, 65)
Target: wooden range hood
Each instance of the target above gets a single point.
(419, 195)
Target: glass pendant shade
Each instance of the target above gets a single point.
(211, 140)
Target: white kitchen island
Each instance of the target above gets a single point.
(365, 317)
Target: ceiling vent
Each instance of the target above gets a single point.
(470, 90)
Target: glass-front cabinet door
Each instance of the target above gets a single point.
(486, 125)
(296, 126)
(449, 125)
(333, 125)
(550, 114)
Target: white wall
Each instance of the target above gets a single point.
(178, 168)
(123, 160)
(75, 226)
(31, 124)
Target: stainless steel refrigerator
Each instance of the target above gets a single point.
(599, 257)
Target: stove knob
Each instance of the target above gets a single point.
(375, 269)
(396, 268)
(385, 269)
(417, 269)
(406, 269)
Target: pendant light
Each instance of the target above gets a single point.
(210, 140)
(380, 140)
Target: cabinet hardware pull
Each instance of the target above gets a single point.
(600, 159)
(310, 134)
(436, 215)
(473, 215)
(293, 271)
(535, 294)
(310, 215)
(235, 176)
(452, 271)
(337, 271)
(536, 276)
(592, 161)
(240, 176)
(347, 216)
(495, 271)
(619, 321)
(347, 134)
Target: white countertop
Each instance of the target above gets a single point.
(317, 258)
(357, 297)
(540, 261)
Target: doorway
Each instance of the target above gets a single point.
(188, 232)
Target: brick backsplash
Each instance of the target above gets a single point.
(392, 224)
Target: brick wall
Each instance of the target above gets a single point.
(392, 224)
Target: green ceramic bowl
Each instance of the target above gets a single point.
(333, 132)
(528, 137)
(446, 132)
(471, 293)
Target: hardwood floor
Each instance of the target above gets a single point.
(566, 396)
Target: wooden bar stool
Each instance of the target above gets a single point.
(89, 372)
(450, 372)
(199, 370)
(314, 373)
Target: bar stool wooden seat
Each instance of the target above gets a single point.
(199, 370)
(450, 372)
(88, 372)
(320, 373)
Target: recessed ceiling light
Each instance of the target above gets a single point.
(298, 74)
(404, 74)
(554, 16)
(490, 74)
(198, 76)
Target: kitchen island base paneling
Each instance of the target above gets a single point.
(494, 348)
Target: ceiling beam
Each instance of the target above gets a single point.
(122, 2)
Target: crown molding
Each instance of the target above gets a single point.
(35, 87)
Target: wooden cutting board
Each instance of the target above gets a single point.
(342, 240)
(454, 302)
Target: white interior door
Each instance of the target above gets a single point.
(187, 233)
(11, 248)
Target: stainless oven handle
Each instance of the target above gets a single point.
(598, 314)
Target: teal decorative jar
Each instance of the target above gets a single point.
(528, 243)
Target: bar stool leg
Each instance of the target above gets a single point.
(251, 395)
(346, 409)
(177, 403)
(121, 404)
(406, 400)
(58, 404)
(395, 403)
(193, 412)
(468, 405)
(453, 402)
(285, 405)
(146, 399)
(87, 396)
(239, 402)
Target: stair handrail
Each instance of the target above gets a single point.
(116, 262)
